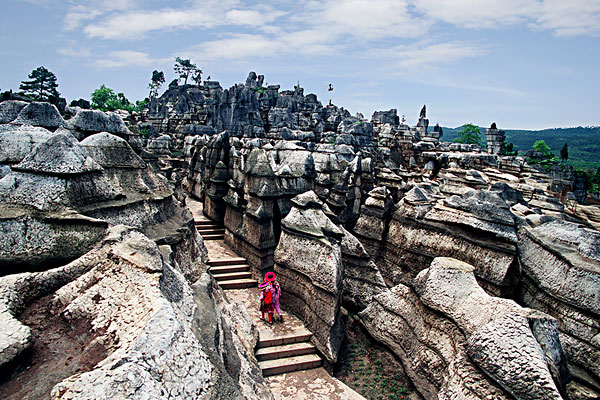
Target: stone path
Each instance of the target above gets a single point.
(288, 360)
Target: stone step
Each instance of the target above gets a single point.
(219, 262)
(298, 336)
(211, 226)
(286, 350)
(212, 237)
(232, 275)
(204, 222)
(204, 231)
(289, 364)
(237, 284)
(227, 269)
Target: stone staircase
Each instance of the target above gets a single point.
(231, 273)
(286, 353)
(210, 230)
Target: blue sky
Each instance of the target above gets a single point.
(528, 64)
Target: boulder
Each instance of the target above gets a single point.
(40, 114)
(18, 141)
(9, 110)
(95, 121)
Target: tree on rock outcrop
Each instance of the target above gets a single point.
(41, 86)
(541, 147)
(158, 78)
(184, 68)
(469, 134)
(105, 99)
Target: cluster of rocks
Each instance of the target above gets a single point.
(358, 213)
(104, 244)
(466, 264)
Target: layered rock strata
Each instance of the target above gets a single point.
(453, 346)
(561, 276)
(308, 263)
(145, 316)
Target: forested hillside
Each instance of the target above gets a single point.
(583, 142)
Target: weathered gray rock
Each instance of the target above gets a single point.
(9, 110)
(160, 145)
(146, 316)
(61, 154)
(362, 279)
(39, 239)
(517, 349)
(95, 121)
(16, 141)
(308, 262)
(500, 339)
(111, 151)
(57, 174)
(561, 276)
(39, 114)
(431, 347)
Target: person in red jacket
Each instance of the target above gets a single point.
(266, 296)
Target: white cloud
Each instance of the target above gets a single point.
(572, 18)
(365, 19)
(238, 46)
(422, 55)
(137, 24)
(88, 10)
(564, 18)
(126, 58)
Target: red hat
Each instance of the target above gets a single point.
(270, 276)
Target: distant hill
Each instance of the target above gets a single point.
(583, 142)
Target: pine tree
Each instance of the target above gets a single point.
(41, 86)
(184, 68)
(564, 153)
(158, 78)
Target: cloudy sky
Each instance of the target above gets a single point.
(523, 63)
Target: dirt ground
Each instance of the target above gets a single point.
(60, 350)
(371, 369)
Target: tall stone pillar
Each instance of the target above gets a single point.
(495, 139)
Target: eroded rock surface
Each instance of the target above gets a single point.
(475, 346)
(308, 262)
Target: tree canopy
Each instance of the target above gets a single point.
(105, 99)
(469, 134)
(41, 86)
(158, 78)
(541, 147)
(185, 68)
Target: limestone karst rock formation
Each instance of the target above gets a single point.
(134, 297)
(466, 264)
(457, 341)
(143, 317)
(308, 262)
(404, 194)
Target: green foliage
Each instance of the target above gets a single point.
(470, 134)
(158, 78)
(564, 153)
(41, 86)
(140, 105)
(184, 68)
(541, 147)
(105, 99)
(508, 149)
(145, 132)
